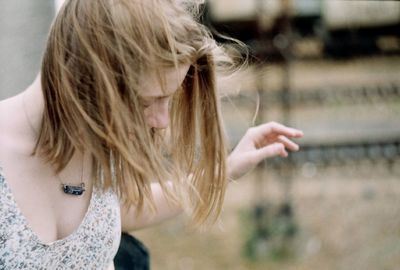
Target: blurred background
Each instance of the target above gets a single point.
(330, 68)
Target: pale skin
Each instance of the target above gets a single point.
(53, 215)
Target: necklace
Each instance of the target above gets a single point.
(70, 189)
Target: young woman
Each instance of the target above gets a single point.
(121, 130)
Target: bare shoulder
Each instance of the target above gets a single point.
(10, 121)
(5, 115)
(9, 114)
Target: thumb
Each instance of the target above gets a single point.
(272, 150)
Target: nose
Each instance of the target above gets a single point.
(158, 115)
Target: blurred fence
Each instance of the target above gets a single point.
(276, 229)
(385, 148)
(325, 95)
(273, 230)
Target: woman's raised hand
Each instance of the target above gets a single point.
(261, 142)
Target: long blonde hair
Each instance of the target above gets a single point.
(96, 53)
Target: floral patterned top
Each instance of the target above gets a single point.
(92, 246)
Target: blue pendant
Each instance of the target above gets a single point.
(73, 190)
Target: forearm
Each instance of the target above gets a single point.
(164, 211)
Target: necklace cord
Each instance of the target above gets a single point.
(68, 189)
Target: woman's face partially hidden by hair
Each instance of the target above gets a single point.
(156, 99)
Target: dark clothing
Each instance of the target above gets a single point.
(131, 255)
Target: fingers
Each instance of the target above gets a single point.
(272, 139)
(272, 150)
(277, 149)
(288, 143)
(273, 127)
